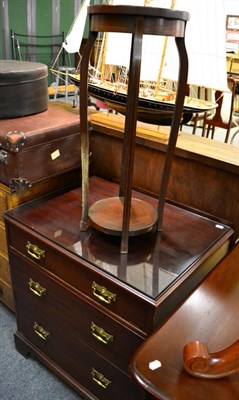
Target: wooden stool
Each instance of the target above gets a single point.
(66, 71)
(137, 21)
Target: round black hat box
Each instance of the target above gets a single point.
(23, 88)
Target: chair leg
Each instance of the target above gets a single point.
(66, 88)
(56, 87)
(227, 135)
(208, 131)
(195, 125)
(203, 129)
(213, 130)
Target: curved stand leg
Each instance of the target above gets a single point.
(130, 131)
(84, 131)
(182, 81)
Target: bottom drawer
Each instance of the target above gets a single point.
(101, 378)
(92, 371)
(6, 294)
(5, 270)
(3, 239)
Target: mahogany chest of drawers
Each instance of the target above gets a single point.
(82, 308)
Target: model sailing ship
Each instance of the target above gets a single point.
(109, 75)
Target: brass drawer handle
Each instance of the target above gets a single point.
(100, 378)
(100, 334)
(40, 331)
(102, 293)
(35, 288)
(34, 251)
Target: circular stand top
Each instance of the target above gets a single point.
(155, 12)
(107, 216)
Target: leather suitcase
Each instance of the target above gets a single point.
(38, 154)
(40, 146)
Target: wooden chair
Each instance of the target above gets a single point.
(218, 119)
(198, 117)
(40, 48)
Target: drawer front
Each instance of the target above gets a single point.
(3, 240)
(3, 203)
(6, 294)
(97, 285)
(5, 270)
(63, 308)
(102, 379)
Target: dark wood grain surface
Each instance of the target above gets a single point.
(210, 315)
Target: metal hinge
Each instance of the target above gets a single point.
(18, 184)
(3, 156)
(14, 141)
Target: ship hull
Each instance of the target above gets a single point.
(149, 110)
(152, 112)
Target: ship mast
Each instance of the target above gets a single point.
(163, 52)
(101, 62)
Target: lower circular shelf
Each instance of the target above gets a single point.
(107, 216)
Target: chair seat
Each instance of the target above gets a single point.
(235, 121)
(66, 70)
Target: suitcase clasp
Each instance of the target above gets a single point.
(3, 157)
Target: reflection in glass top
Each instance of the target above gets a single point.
(137, 268)
(155, 260)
